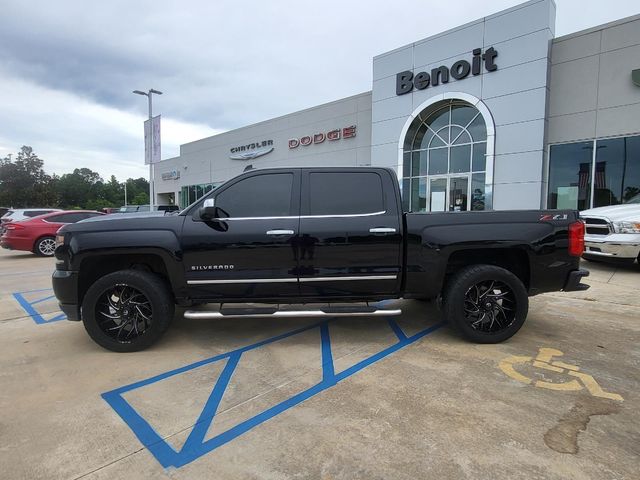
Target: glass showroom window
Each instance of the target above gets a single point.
(444, 160)
(191, 193)
(578, 179)
(617, 171)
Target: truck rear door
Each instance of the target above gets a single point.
(350, 234)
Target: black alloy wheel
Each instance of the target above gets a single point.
(490, 306)
(124, 313)
(127, 310)
(485, 303)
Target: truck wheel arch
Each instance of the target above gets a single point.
(515, 260)
(93, 267)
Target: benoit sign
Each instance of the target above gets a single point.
(406, 81)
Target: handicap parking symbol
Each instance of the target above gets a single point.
(41, 305)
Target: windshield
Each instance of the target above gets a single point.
(634, 199)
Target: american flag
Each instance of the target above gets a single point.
(600, 177)
(583, 175)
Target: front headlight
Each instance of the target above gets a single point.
(626, 227)
(59, 240)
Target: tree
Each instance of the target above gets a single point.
(78, 188)
(141, 198)
(138, 191)
(113, 192)
(630, 192)
(24, 183)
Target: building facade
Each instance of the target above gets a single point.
(494, 114)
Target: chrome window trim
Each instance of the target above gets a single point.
(352, 215)
(291, 280)
(294, 217)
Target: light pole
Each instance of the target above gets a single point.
(148, 94)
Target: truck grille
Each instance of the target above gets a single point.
(597, 226)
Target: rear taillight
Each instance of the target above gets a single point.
(576, 238)
(14, 226)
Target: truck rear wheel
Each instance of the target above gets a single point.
(485, 303)
(128, 310)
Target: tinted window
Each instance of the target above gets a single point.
(334, 193)
(58, 219)
(617, 171)
(570, 176)
(266, 195)
(75, 217)
(614, 176)
(68, 217)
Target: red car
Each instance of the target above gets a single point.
(38, 234)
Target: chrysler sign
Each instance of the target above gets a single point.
(406, 81)
(251, 150)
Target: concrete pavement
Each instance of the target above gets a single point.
(541, 405)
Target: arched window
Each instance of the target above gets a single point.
(444, 159)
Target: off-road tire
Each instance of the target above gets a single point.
(456, 298)
(99, 307)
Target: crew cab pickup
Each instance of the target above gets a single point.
(300, 236)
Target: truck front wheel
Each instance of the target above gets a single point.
(128, 310)
(485, 303)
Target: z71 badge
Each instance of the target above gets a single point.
(198, 268)
(560, 216)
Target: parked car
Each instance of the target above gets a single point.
(310, 235)
(613, 232)
(37, 234)
(18, 214)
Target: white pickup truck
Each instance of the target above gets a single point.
(613, 232)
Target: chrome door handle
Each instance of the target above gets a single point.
(280, 232)
(382, 230)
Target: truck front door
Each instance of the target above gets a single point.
(248, 251)
(350, 240)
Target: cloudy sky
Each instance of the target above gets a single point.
(67, 68)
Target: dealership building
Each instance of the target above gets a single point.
(494, 114)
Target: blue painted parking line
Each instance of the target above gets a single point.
(195, 446)
(30, 300)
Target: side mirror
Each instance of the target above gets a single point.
(208, 209)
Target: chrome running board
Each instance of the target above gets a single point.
(272, 312)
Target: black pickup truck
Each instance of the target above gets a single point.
(299, 236)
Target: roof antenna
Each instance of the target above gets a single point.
(247, 168)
